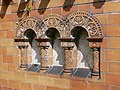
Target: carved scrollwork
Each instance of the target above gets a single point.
(87, 21)
(92, 29)
(57, 22)
(27, 23)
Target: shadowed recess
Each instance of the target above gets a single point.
(21, 8)
(82, 45)
(5, 4)
(43, 5)
(68, 4)
(98, 3)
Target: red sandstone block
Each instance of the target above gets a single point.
(112, 79)
(9, 17)
(102, 18)
(6, 88)
(112, 7)
(113, 55)
(31, 78)
(111, 30)
(1, 58)
(19, 76)
(35, 13)
(3, 34)
(13, 84)
(61, 2)
(84, 7)
(80, 1)
(52, 88)
(114, 87)
(61, 83)
(66, 11)
(105, 42)
(46, 12)
(8, 59)
(25, 86)
(114, 19)
(12, 67)
(97, 8)
(98, 86)
(52, 3)
(38, 87)
(114, 42)
(56, 11)
(114, 67)
(77, 85)
(3, 82)
(10, 34)
(104, 66)
(4, 67)
(6, 25)
(8, 42)
(1, 51)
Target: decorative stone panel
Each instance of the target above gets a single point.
(85, 20)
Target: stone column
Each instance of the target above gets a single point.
(23, 51)
(94, 43)
(44, 56)
(96, 61)
(96, 58)
(68, 62)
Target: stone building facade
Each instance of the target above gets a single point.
(59, 45)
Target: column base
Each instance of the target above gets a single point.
(44, 67)
(23, 66)
(68, 70)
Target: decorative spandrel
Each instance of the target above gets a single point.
(27, 23)
(87, 21)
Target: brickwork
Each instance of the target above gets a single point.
(13, 78)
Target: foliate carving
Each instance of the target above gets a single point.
(68, 61)
(96, 60)
(28, 23)
(23, 51)
(92, 28)
(57, 22)
(87, 21)
(44, 54)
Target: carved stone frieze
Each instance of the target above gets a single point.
(28, 23)
(87, 21)
(55, 21)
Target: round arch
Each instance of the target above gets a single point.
(85, 20)
(54, 21)
(29, 23)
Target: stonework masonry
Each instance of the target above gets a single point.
(12, 77)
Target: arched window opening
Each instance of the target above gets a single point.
(33, 50)
(55, 44)
(84, 52)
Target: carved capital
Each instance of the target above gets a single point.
(94, 44)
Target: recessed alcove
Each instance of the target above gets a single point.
(55, 45)
(84, 52)
(33, 49)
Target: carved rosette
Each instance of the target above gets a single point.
(57, 22)
(87, 21)
(28, 23)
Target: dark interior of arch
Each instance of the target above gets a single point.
(30, 34)
(82, 45)
(53, 34)
(34, 65)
